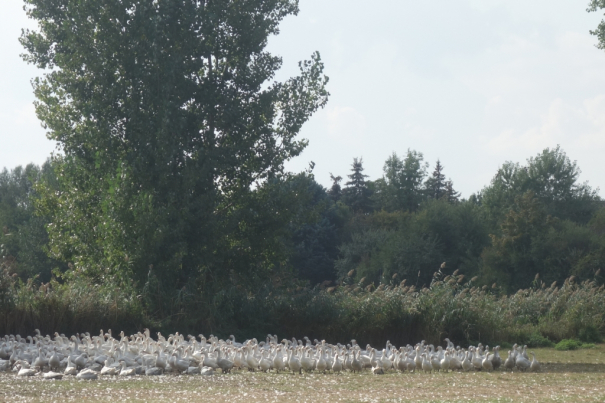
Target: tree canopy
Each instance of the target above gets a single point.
(171, 130)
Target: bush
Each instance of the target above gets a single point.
(568, 344)
(590, 334)
(537, 340)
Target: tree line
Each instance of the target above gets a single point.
(533, 219)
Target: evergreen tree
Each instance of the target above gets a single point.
(335, 191)
(356, 192)
(451, 195)
(437, 187)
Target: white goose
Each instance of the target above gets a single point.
(308, 363)
(427, 366)
(127, 371)
(336, 364)
(509, 363)
(87, 374)
(487, 363)
(108, 369)
(52, 375)
(71, 368)
(293, 362)
(535, 365)
(278, 360)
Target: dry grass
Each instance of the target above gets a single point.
(566, 376)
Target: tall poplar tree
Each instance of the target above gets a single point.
(172, 132)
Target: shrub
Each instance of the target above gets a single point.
(590, 334)
(537, 340)
(568, 344)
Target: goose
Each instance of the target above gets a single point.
(524, 353)
(225, 365)
(153, 371)
(347, 362)
(108, 369)
(522, 363)
(265, 362)
(160, 360)
(496, 359)
(466, 363)
(401, 362)
(81, 361)
(455, 363)
(410, 363)
(209, 361)
(238, 361)
(53, 361)
(294, 363)
(445, 362)
(321, 363)
(337, 364)
(127, 371)
(278, 361)
(20, 364)
(418, 358)
(195, 370)
(427, 366)
(87, 374)
(71, 368)
(40, 361)
(178, 364)
(385, 361)
(52, 375)
(487, 363)
(509, 363)
(435, 362)
(27, 372)
(476, 359)
(377, 368)
(356, 365)
(308, 363)
(251, 359)
(535, 365)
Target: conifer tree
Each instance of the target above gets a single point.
(356, 192)
(437, 187)
(335, 191)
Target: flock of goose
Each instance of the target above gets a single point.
(88, 357)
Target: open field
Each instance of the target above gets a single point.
(567, 376)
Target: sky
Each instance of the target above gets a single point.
(473, 83)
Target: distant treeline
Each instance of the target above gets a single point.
(531, 219)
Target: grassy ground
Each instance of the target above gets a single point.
(567, 376)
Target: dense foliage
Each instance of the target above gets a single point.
(172, 135)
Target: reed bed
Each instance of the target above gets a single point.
(451, 307)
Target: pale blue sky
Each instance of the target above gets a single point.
(472, 82)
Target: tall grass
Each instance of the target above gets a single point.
(78, 306)
(451, 307)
